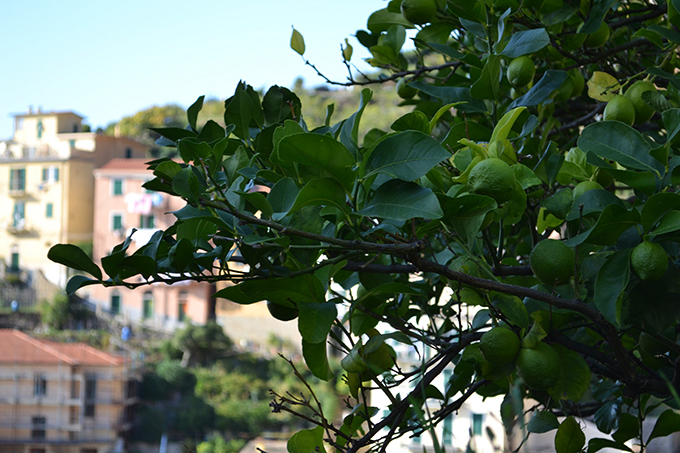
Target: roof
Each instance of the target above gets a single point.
(125, 165)
(45, 113)
(19, 348)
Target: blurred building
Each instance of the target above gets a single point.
(62, 397)
(121, 204)
(46, 187)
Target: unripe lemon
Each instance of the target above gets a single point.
(521, 71)
(540, 367)
(552, 262)
(494, 178)
(649, 261)
(499, 345)
(418, 11)
(643, 112)
(620, 108)
(584, 187)
(599, 37)
(405, 91)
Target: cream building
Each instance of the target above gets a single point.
(62, 397)
(47, 187)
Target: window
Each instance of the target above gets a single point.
(73, 414)
(115, 302)
(17, 179)
(51, 174)
(128, 153)
(19, 215)
(39, 385)
(38, 428)
(49, 210)
(146, 221)
(147, 305)
(116, 187)
(477, 424)
(116, 222)
(14, 259)
(182, 306)
(88, 450)
(72, 143)
(41, 128)
(90, 387)
(448, 430)
(89, 410)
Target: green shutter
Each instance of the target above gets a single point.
(49, 208)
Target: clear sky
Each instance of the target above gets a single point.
(108, 59)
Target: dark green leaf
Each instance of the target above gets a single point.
(621, 143)
(450, 95)
(667, 424)
(466, 213)
(321, 192)
(73, 257)
(78, 281)
(576, 375)
(514, 310)
(607, 417)
(488, 84)
(383, 19)
(316, 358)
(569, 437)
(611, 280)
(598, 444)
(192, 112)
(406, 155)
(413, 121)
(401, 200)
(239, 111)
(551, 80)
(597, 12)
(315, 320)
(526, 42)
(542, 422)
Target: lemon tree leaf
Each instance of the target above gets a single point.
(666, 424)
(551, 80)
(542, 422)
(466, 213)
(504, 126)
(413, 121)
(297, 42)
(606, 418)
(621, 143)
(576, 375)
(597, 12)
(656, 100)
(315, 320)
(513, 309)
(629, 427)
(488, 84)
(326, 157)
(75, 258)
(451, 95)
(598, 443)
(401, 200)
(407, 155)
(316, 358)
(535, 335)
(306, 441)
(611, 280)
(569, 437)
(656, 207)
(602, 86)
(383, 19)
(320, 192)
(525, 42)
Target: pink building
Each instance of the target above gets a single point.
(121, 204)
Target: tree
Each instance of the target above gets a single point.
(400, 229)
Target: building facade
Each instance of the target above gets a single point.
(121, 204)
(47, 186)
(62, 397)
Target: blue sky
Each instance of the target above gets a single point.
(108, 59)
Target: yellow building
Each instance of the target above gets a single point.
(62, 397)
(47, 187)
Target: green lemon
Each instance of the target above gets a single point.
(494, 178)
(599, 37)
(649, 261)
(540, 367)
(521, 71)
(584, 187)
(418, 11)
(499, 345)
(282, 312)
(405, 91)
(552, 262)
(643, 112)
(620, 108)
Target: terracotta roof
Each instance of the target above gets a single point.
(19, 348)
(125, 164)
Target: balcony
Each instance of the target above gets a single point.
(20, 227)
